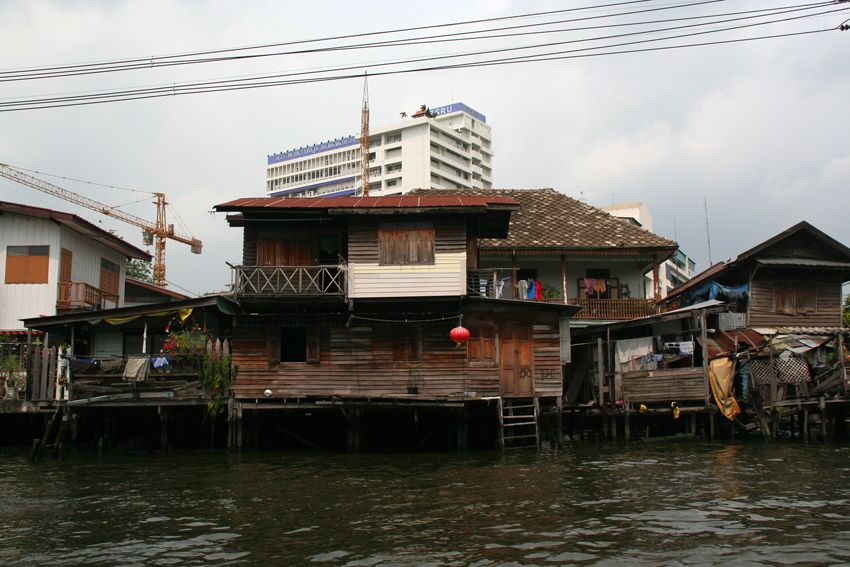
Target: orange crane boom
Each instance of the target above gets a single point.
(364, 139)
(159, 230)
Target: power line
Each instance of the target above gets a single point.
(167, 61)
(303, 77)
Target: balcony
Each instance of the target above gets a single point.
(497, 283)
(79, 295)
(614, 308)
(289, 281)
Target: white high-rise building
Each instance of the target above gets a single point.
(450, 149)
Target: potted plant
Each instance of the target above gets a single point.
(185, 343)
(10, 366)
(413, 378)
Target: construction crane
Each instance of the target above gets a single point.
(364, 137)
(159, 231)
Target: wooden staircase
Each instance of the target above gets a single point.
(518, 423)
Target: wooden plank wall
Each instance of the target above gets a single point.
(828, 314)
(359, 362)
(449, 237)
(675, 385)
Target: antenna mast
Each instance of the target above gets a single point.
(707, 235)
(364, 137)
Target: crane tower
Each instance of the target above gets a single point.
(364, 137)
(159, 230)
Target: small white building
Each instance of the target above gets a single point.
(450, 147)
(673, 272)
(54, 262)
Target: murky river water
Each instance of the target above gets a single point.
(588, 504)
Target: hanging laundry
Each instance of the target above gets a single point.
(589, 284)
(531, 290)
(686, 348)
(521, 289)
(538, 290)
(599, 285)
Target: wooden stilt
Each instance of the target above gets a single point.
(256, 443)
(627, 426)
(806, 426)
(693, 424)
(559, 422)
(239, 433)
(604, 424)
(163, 429)
(711, 424)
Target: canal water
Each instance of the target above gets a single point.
(588, 504)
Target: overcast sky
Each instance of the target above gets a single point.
(759, 130)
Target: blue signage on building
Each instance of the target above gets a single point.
(314, 149)
(458, 107)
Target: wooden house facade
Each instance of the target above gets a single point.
(791, 280)
(350, 302)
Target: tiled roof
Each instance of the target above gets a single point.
(552, 221)
(395, 202)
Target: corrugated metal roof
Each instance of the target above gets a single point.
(802, 262)
(395, 202)
(723, 343)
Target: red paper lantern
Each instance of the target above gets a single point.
(459, 335)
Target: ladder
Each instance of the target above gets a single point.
(518, 423)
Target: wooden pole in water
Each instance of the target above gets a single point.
(163, 429)
(601, 376)
(559, 422)
(711, 424)
(806, 426)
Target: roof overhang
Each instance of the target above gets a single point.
(223, 304)
(79, 225)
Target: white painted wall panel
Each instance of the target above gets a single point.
(446, 277)
(18, 301)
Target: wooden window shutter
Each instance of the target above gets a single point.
(314, 346)
(783, 298)
(806, 297)
(273, 345)
(473, 348)
(414, 342)
(488, 344)
(399, 344)
(16, 264)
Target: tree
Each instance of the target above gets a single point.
(403, 115)
(140, 270)
(845, 312)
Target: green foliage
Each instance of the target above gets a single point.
(846, 311)
(413, 376)
(550, 292)
(217, 372)
(140, 270)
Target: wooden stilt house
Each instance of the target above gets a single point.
(348, 305)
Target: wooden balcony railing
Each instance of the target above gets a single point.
(290, 281)
(614, 308)
(78, 294)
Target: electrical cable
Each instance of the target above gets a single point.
(268, 80)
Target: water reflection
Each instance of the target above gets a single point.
(586, 505)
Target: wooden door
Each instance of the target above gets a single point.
(516, 360)
(65, 261)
